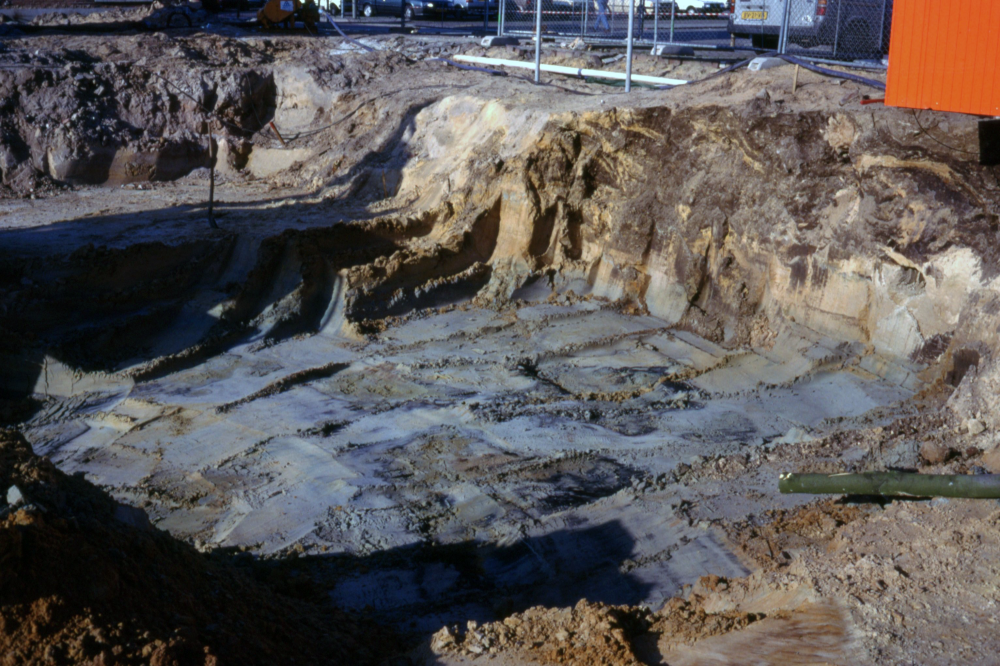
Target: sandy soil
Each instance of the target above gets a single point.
(509, 368)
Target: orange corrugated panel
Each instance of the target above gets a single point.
(945, 55)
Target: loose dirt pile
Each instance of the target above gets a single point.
(588, 635)
(84, 579)
(682, 632)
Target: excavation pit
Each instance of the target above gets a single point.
(468, 347)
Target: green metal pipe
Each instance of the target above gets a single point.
(893, 484)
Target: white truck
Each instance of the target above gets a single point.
(857, 27)
(692, 7)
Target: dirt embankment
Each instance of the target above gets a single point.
(140, 108)
(734, 218)
(732, 214)
(84, 579)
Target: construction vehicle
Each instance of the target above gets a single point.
(286, 12)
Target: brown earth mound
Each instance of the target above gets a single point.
(84, 579)
(593, 634)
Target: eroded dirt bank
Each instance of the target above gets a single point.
(470, 348)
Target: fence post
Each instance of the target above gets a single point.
(836, 31)
(881, 28)
(500, 12)
(656, 23)
(538, 41)
(673, 9)
(628, 55)
(783, 36)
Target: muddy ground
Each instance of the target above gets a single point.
(511, 370)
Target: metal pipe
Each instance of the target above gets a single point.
(628, 49)
(572, 71)
(830, 61)
(893, 484)
(701, 47)
(538, 41)
(500, 12)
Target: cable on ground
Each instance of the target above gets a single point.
(832, 72)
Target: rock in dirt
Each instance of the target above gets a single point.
(15, 497)
(991, 460)
(975, 427)
(935, 453)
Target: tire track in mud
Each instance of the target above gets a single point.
(286, 384)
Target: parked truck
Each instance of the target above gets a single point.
(850, 27)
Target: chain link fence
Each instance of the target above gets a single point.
(847, 30)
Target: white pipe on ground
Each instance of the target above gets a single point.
(572, 71)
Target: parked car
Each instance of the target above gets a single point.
(334, 7)
(463, 7)
(574, 7)
(688, 8)
(439, 8)
(692, 7)
(407, 8)
(680, 7)
(858, 27)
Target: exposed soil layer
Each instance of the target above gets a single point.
(597, 635)
(519, 361)
(85, 579)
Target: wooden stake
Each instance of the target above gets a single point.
(285, 145)
(211, 181)
(795, 80)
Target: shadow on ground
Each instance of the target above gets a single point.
(419, 589)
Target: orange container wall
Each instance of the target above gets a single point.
(945, 55)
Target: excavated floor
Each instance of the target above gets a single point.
(541, 441)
